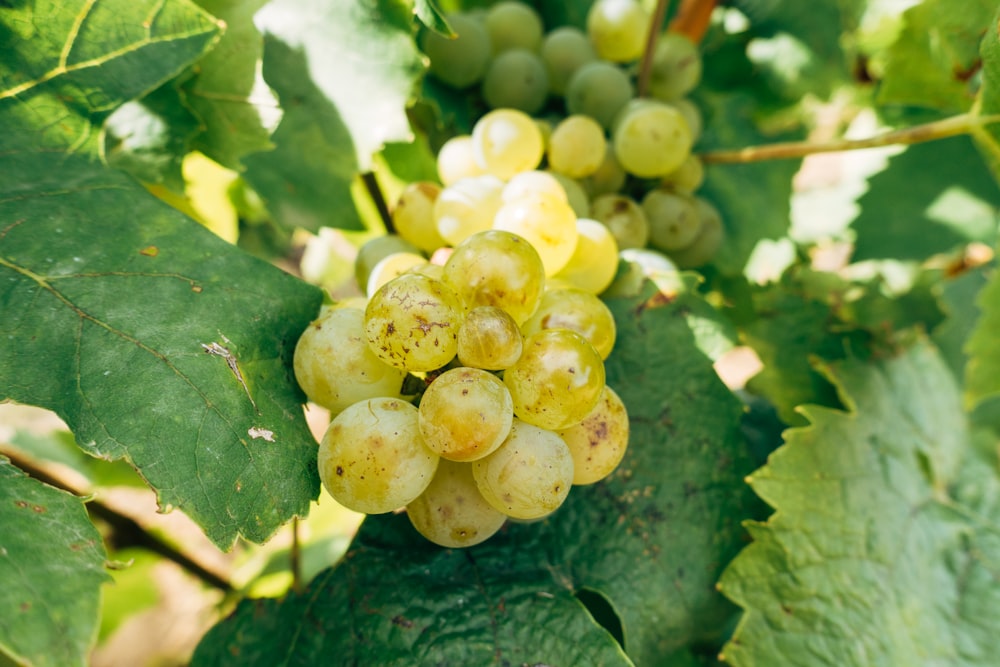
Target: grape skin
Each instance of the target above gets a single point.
(513, 25)
(577, 146)
(651, 139)
(599, 442)
(506, 142)
(595, 258)
(618, 29)
(516, 79)
(489, 339)
(674, 222)
(462, 61)
(564, 50)
(547, 223)
(413, 215)
(451, 512)
(465, 414)
(577, 310)
(600, 90)
(624, 217)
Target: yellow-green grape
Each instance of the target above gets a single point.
(506, 142)
(624, 217)
(391, 267)
(489, 338)
(533, 182)
(460, 61)
(516, 79)
(557, 381)
(451, 512)
(435, 271)
(466, 207)
(374, 251)
(686, 178)
(465, 414)
(497, 268)
(599, 442)
(334, 365)
(703, 248)
(608, 179)
(651, 138)
(412, 322)
(565, 50)
(529, 476)
(457, 160)
(547, 223)
(674, 222)
(413, 216)
(595, 258)
(577, 310)
(513, 25)
(372, 458)
(618, 29)
(676, 67)
(600, 90)
(576, 196)
(577, 146)
(692, 114)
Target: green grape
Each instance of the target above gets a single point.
(547, 223)
(497, 268)
(557, 381)
(577, 146)
(413, 216)
(374, 251)
(465, 414)
(599, 442)
(600, 90)
(489, 338)
(451, 512)
(391, 267)
(618, 29)
(513, 25)
(649, 260)
(576, 310)
(457, 160)
(624, 217)
(595, 258)
(412, 322)
(529, 476)
(608, 179)
(692, 114)
(533, 182)
(673, 219)
(676, 67)
(372, 458)
(334, 365)
(506, 142)
(703, 248)
(686, 178)
(651, 138)
(516, 79)
(435, 271)
(565, 50)
(466, 207)
(463, 60)
(576, 196)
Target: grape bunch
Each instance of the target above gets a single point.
(625, 161)
(514, 408)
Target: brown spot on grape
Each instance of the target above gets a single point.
(340, 471)
(390, 328)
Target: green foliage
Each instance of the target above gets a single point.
(983, 369)
(988, 138)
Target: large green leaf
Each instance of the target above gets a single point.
(651, 541)
(155, 341)
(52, 567)
(883, 546)
(912, 211)
(66, 66)
(982, 373)
(988, 138)
(344, 73)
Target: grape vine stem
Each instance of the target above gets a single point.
(939, 129)
(646, 66)
(378, 198)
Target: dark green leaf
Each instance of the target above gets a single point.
(66, 66)
(958, 301)
(431, 16)
(127, 342)
(913, 211)
(52, 567)
(883, 546)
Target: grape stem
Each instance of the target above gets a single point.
(375, 192)
(646, 66)
(692, 18)
(969, 123)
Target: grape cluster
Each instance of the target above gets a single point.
(514, 408)
(624, 161)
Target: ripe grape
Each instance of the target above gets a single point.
(600, 90)
(513, 25)
(533, 182)
(624, 217)
(372, 458)
(651, 138)
(465, 414)
(547, 223)
(412, 322)
(466, 207)
(457, 160)
(686, 178)
(506, 142)
(497, 268)
(489, 338)
(334, 365)
(564, 50)
(673, 219)
(595, 258)
(391, 267)
(413, 216)
(703, 248)
(618, 29)
(577, 146)
(529, 476)
(608, 179)
(576, 196)
(374, 251)
(516, 79)
(599, 442)
(557, 381)
(459, 61)
(676, 67)
(451, 512)
(577, 310)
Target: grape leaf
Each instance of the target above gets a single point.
(431, 16)
(168, 347)
(52, 567)
(66, 66)
(344, 73)
(988, 138)
(982, 373)
(912, 212)
(958, 301)
(651, 541)
(883, 546)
